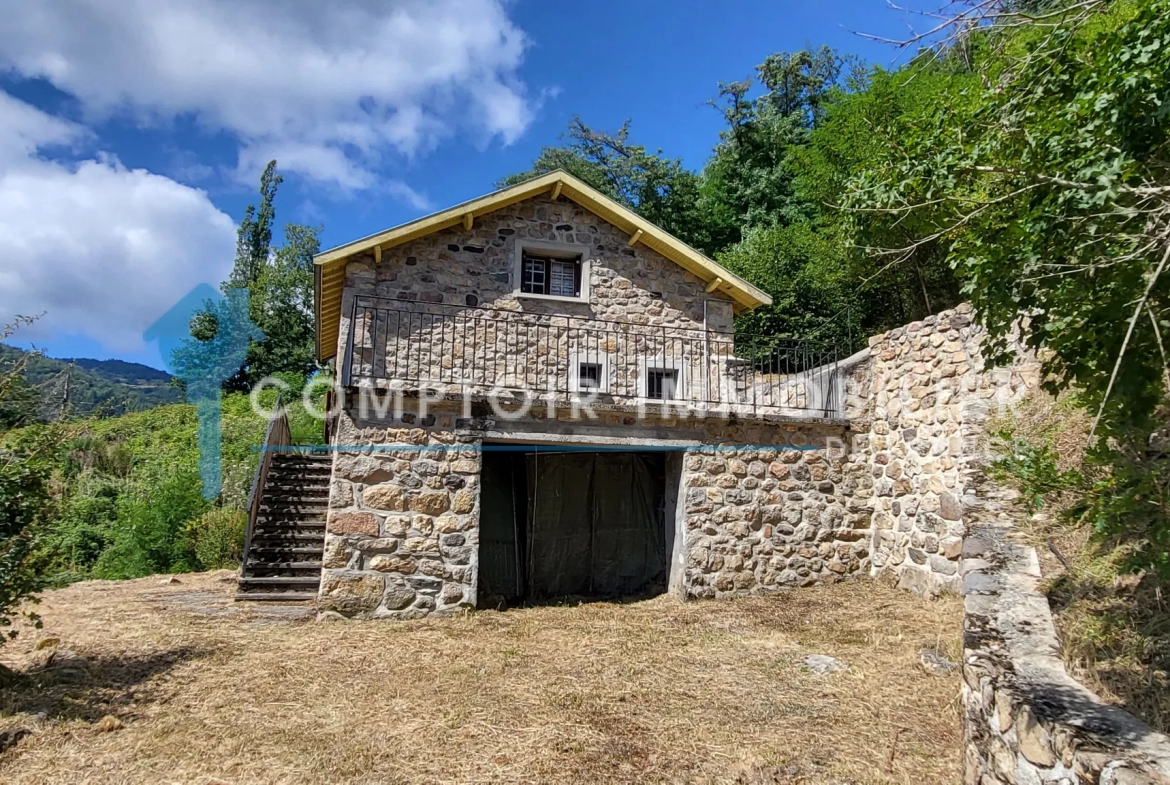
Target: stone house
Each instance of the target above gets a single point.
(539, 393)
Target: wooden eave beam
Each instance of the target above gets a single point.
(468, 220)
(377, 254)
(557, 190)
(635, 237)
(714, 285)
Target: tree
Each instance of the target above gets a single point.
(748, 183)
(254, 235)
(26, 462)
(859, 128)
(802, 269)
(1047, 177)
(280, 285)
(659, 189)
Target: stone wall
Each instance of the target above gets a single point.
(759, 506)
(759, 518)
(922, 433)
(447, 307)
(1025, 720)
(402, 530)
(443, 310)
(630, 284)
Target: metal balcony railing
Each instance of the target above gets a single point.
(481, 352)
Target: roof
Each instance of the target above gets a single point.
(330, 265)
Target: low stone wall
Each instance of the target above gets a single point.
(1025, 720)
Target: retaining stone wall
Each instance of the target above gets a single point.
(923, 435)
(759, 519)
(1025, 720)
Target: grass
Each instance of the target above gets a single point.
(180, 685)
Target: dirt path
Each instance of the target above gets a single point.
(207, 691)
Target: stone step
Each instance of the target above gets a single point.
(298, 566)
(281, 582)
(275, 596)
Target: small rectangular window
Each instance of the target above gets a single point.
(549, 275)
(662, 384)
(589, 376)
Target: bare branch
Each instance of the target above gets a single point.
(1129, 334)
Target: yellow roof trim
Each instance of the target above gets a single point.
(330, 265)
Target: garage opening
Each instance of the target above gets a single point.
(574, 524)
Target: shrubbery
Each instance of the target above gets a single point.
(1100, 514)
(217, 537)
(126, 497)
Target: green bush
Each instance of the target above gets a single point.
(23, 500)
(1033, 469)
(217, 537)
(148, 531)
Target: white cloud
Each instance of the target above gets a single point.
(334, 87)
(102, 250)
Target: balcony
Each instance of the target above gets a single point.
(485, 353)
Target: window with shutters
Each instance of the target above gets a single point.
(558, 271)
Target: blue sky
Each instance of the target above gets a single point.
(131, 139)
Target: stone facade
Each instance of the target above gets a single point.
(629, 284)
(757, 506)
(446, 308)
(760, 518)
(443, 311)
(402, 530)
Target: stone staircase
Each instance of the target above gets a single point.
(283, 562)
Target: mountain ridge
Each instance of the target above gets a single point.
(85, 386)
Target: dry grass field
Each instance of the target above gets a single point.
(176, 684)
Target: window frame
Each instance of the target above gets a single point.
(659, 364)
(569, 252)
(577, 359)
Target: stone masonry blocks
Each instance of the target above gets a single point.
(402, 530)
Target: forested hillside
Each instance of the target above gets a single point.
(82, 387)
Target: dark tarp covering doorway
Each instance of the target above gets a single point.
(571, 523)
